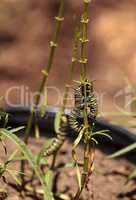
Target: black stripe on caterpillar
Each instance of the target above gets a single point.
(61, 136)
(84, 96)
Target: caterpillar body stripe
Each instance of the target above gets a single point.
(75, 120)
(59, 140)
(84, 96)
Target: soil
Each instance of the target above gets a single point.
(108, 181)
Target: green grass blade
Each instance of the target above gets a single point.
(130, 85)
(123, 151)
(118, 114)
(78, 176)
(131, 101)
(14, 130)
(78, 139)
(37, 132)
(62, 196)
(30, 158)
(49, 179)
(101, 133)
(12, 156)
(14, 174)
(57, 120)
(94, 140)
(132, 175)
(43, 150)
(70, 164)
(44, 106)
(24, 149)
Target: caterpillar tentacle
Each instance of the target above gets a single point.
(59, 140)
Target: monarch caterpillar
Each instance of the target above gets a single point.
(84, 96)
(59, 140)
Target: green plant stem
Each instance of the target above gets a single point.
(85, 171)
(83, 62)
(67, 87)
(84, 39)
(62, 110)
(45, 72)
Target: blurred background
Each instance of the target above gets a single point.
(26, 27)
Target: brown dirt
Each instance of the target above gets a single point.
(107, 182)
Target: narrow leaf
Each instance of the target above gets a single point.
(70, 164)
(14, 176)
(132, 175)
(14, 130)
(62, 196)
(43, 107)
(37, 131)
(31, 159)
(49, 179)
(24, 149)
(78, 175)
(57, 120)
(120, 114)
(102, 134)
(130, 85)
(12, 156)
(94, 140)
(43, 150)
(131, 101)
(78, 139)
(123, 151)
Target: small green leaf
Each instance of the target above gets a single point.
(14, 130)
(12, 156)
(131, 101)
(37, 131)
(43, 150)
(78, 176)
(57, 120)
(96, 142)
(132, 175)
(130, 85)
(49, 182)
(102, 133)
(63, 196)
(70, 164)
(42, 111)
(119, 114)
(123, 151)
(24, 149)
(19, 158)
(43, 161)
(49, 179)
(78, 139)
(14, 174)
(44, 105)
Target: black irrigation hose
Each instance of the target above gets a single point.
(19, 115)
